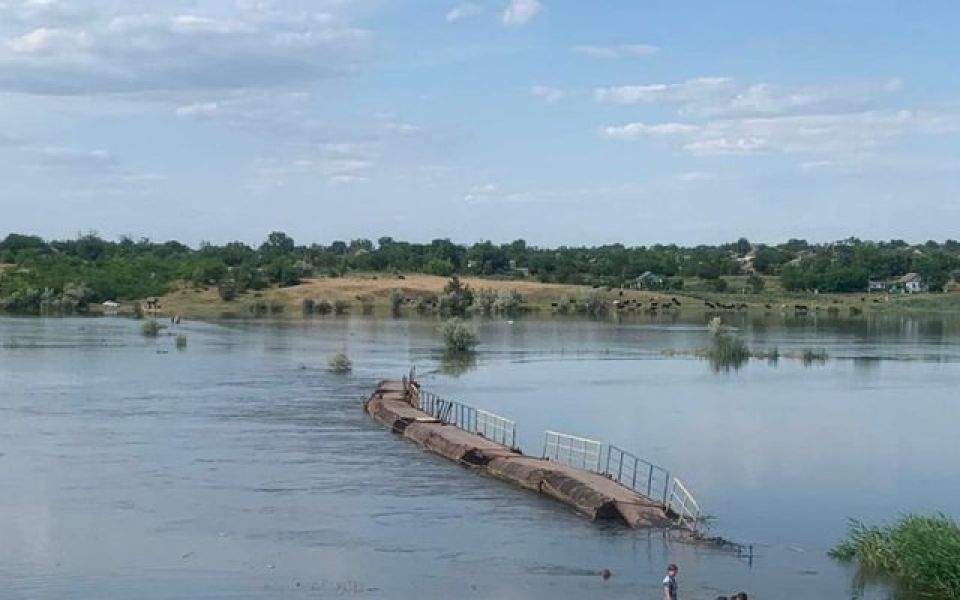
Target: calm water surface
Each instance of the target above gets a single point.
(239, 468)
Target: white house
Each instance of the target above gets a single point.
(649, 281)
(910, 283)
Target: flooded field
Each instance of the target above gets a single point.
(240, 468)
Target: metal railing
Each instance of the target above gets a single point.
(573, 451)
(637, 474)
(681, 502)
(473, 420)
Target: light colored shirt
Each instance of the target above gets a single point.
(670, 584)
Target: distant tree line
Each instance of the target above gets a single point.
(65, 275)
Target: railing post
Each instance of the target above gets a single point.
(650, 482)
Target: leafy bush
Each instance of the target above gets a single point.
(227, 290)
(717, 285)
(456, 299)
(485, 300)
(339, 363)
(508, 302)
(727, 351)
(181, 342)
(595, 305)
(322, 307)
(457, 337)
(810, 356)
(151, 328)
(276, 307)
(340, 307)
(307, 306)
(921, 551)
(396, 301)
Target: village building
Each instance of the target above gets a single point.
(648, 281)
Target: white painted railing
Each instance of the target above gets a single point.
(573, 451)
(682, 502)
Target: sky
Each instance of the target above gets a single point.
(562, 122)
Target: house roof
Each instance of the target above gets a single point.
(907, 278)
(648, 275)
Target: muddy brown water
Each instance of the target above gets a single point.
(240, 468)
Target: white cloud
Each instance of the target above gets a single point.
(825, 136)
(697, 176)
(618, 51)
(634, 131)
(725, 97)
(462, 11)
(520, 12)
(144, 46)
(45, 40)
(687, 91)
(198, 109)
(550, 95)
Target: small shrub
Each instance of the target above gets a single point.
(340, 307)
(810, 356)
(563, 307)
(276, 307)
(259, 308)
(151, 328)
(457, 337)
(339, 363)
(756, 284)
(227, 290)
(920, 551)
(717, 285)
(595, 305)
(366, 306)
(396, 301)
(427, 304)
(485, 300)
(727, 350)
(181, 342)
(322, 307)
(508, 302)
(307, 306)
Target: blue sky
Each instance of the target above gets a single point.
(558, 121)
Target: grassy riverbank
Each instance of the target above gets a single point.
(370, 293)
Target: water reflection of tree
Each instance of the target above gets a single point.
(456, 364)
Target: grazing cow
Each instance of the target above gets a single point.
(768, 306)
(675, 301)
(709, 304)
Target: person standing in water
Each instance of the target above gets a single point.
(670, 583)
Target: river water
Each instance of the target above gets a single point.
(241, 468)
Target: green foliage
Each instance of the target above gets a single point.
(727, 351)
(756, 284)
(396, 301)
(438, 266)
(307, 306)
(340, 307)
(921, 551)
(457, 337)
(810, 356)
(717, 285)
(456, 299)
(127, 270)
(322, 307)
(181, 342)
(151, 328)
(339, 363)
(594, 305)
(227, 290)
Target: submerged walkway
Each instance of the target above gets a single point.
(593, 495)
